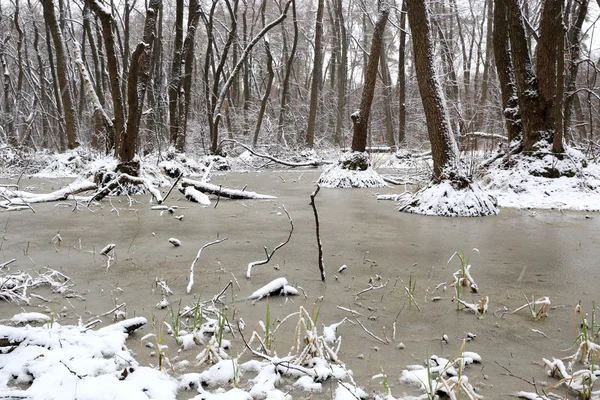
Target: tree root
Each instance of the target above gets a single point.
(126, 178)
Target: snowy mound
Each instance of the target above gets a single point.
(546, 181)
(64, 165)
(351, 171)
(174, 164)
(74, 362)
(450, 199)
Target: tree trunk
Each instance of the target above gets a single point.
(112, 63)
(342, 72)
(506, 73)
(574, 49)
(174, 122)
(316, 77)
(535, 109)
(61, 70)
(387, 99)
(187, 57)
(443, 146)
(286, 79)
(360, 119)
(485, 81)
(402, 77)
(269, 84)
(139, 72)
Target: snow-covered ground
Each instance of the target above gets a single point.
(41, 359)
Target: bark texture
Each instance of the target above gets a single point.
(443, 146)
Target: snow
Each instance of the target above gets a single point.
(277, 286)
(446, 199)
(196, 196)
(523, 187)
(335, 176)
(71, 362)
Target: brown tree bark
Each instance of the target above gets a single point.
(360, 119)
(342, 71)
(174, 122)
(387, 98)
(443, 146)
(535, 100)
(61, 70)
(140, 69)
(315, 86)
(114, 74)
(187, 58)
(574, 51)
(269, 82)
(402, 77)
(506, 73)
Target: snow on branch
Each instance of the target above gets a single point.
(114, 183)
(314, 163)
(209, 188)
(191, 283)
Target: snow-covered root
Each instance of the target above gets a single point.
(353, 170)
(209, 188)
(126, 178)
(451, 198)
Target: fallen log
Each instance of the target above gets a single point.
(314, 163)
(209, 188)
(25, 198)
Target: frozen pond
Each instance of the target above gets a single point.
(522, 252)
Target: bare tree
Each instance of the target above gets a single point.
(315, 86)
(443, 146)
(61, 69)
(360, 119)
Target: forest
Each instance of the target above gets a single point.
(199, 199)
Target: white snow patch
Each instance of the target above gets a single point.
(522, 186)
(444, 199)
(277, 286)
(336, 176)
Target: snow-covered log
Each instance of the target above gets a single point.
(122, 178)
(195, 196)
(15, 197)
(209, 188)
(276, 287)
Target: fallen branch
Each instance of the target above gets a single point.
(122, 178)
(26, 198)
(371, 333)
(189, 286)
(280, 245)
(209, 188)
(319, 244)
(8, 262)
(174, 184)
(314, 163)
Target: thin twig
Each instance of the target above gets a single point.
(218, 196)
(280, 245)
(319, 244)
(189, 286)
(371, 333)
